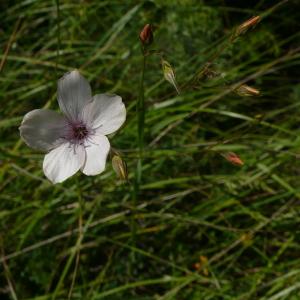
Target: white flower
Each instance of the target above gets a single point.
(77, 139)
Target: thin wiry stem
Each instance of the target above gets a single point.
(140, 140)
(141, 109)
(7, 273)
(9, 43)
(80, 235)
(58, 35)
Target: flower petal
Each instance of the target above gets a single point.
(73, 93)
(96, 153)
(107, 113)
(42, 129)
(63, 162)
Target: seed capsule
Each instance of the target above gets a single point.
(248, 24)
(247, 91)
(169, 74)
(146, 35)
(120, 167)
(244, 27)
(233, 158)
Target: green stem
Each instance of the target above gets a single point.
(140, 142)
(141, 125)
(58, 34)
(141, 110)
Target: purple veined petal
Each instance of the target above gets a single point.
(106, 113)
(97, 149)
(42, 129)
(73, 94)
(63, 162)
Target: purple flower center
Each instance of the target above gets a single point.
(80, 132)
(77, 133)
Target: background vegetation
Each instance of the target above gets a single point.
(202, 228)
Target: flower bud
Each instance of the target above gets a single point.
(247, 91)
(233, 158)
(120, 167)
(146, 35)
(243, 28)
(202, 265)
(169, 74)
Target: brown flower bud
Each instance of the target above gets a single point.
(120, 167)
(233, 158)
(146, 35)
(247, 91)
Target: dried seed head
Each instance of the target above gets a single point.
(169, 74)
(120, 167)
(146, 35)
(233, 158)
(247, 91)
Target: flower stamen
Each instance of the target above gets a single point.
(80, 132)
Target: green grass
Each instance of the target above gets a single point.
(142, 243)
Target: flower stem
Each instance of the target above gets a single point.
(141, 125)
(58, 35)
(140, 142)
(141, 110)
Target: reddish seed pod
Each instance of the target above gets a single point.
(243, 28)
(233, 158)
(248, 24)
(146, 35)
